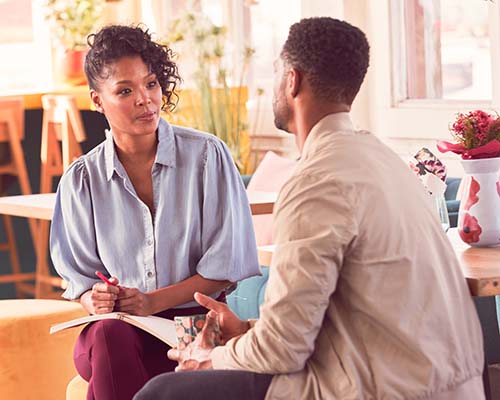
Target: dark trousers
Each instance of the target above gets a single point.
(206, 385)
(117, 359)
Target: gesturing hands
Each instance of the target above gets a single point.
(230, 325)
(197, 354)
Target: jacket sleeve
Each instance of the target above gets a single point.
(313, 226)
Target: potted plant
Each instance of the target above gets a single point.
(217, 103)
(71, 22)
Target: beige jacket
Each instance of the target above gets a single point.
(365, 299)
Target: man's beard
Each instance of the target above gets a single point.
(282, 115)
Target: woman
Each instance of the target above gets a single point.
(159, 208)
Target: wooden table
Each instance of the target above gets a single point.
(41, 207)
(480, 266)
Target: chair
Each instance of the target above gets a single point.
(270, 175)
(452, 204)
(61, 123)
(62, 133)
(11, 133)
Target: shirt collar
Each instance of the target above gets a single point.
(335, 122)
(165, 153)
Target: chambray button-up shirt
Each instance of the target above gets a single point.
(201, 221)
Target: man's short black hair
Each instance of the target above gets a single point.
(333, 55)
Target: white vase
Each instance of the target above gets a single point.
(479, 212)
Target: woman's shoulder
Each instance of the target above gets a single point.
(79, 169)
(185, 133)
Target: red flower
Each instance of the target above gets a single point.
(473, 198)
(477, 135)
(470, 229)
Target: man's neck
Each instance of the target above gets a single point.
(308, 115)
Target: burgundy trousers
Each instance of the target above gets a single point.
(117, 359)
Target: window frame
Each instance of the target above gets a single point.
(393, 117)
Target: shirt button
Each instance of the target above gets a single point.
(149, 274)
(149, 242)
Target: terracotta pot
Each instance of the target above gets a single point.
(72, 71)
(479, 212)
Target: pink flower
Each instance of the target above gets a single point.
(470, 231)
(473, 198)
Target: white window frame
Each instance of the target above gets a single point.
(415, 119)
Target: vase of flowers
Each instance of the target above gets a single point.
(71, 22)
(477, 136)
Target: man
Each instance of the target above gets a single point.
(365, 299)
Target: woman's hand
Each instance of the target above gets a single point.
(101, 298)
(230, 325)
(133, 301)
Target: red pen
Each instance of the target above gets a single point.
(100, 275)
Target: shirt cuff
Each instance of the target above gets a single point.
(252, 322)
(218, 357)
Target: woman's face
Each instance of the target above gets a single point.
(130, 98)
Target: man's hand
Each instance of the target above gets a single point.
(196, 355)
(101, 298)
(230, 325)
(133, 301)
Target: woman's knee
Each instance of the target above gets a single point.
(112, 335)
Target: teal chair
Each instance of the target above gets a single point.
(450, 196)
(249, 295)
(246, 299)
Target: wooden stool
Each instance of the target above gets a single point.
(35, 364)
(11, 133)
(61, 123)
(62, 128)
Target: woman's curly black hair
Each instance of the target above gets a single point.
(333, 54)
(116, 41)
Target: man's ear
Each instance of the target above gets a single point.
(294, 81)
(96, 100)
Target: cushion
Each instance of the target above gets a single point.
(33, 363)
(270, 175)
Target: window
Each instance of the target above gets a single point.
(441, 49)
(24, 42)
(15, 21)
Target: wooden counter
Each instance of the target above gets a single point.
(33, 99)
